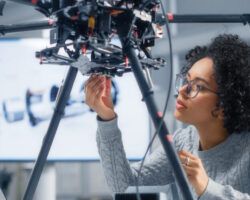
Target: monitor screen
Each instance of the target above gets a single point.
(28, 94)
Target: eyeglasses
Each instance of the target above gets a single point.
(192, 87)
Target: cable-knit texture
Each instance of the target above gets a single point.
(227, 164)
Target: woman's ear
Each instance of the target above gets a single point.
(218, 113)
(221, 114)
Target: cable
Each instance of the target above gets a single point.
(166, 104)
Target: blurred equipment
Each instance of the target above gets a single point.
(40, 104)
(13, 109)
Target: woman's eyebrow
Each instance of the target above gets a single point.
(199, 79)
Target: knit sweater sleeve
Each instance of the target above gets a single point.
(118, 171)
(218, 191)
(234, 181)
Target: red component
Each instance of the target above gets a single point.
(51, 22)
(136, 34)
(90, 32)
(126, 61)
(159, 114)
(74, 17)
(170, 16)
(169, 137)
(34, 2)
(84, 50)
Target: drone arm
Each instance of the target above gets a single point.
(26, 26)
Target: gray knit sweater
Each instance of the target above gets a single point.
(227, 164)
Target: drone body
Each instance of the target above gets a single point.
(88, 27)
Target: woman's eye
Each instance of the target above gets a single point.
(185, 81)
(200, 87)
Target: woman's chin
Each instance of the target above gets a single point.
(177, 115)
(180, 116)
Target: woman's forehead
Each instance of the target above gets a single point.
(202, 69)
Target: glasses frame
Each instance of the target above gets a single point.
(188, 85)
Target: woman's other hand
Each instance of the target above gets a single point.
(195, 171)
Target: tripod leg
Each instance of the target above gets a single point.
(167, 144)
(49, 137)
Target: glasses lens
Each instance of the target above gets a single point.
(191, 87)
(180, 81)
(177, 83)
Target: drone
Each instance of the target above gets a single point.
(85, 34)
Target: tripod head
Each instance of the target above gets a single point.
(88, 30)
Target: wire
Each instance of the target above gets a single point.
(166, 104)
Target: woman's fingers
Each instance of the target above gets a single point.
(93, 82)
(108, 86)
(187, 159)
(99, 85)
(195, 171)
(93, 85)
(94, 90)
(98, 96)
(95, 99)
(186, 153)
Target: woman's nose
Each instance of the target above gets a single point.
(183, 90)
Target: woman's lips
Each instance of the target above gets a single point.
(180, 105)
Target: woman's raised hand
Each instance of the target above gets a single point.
(98, 96)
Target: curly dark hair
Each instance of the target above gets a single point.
(230, 56)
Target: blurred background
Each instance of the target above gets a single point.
(77, 174)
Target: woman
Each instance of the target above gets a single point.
(214, 98)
